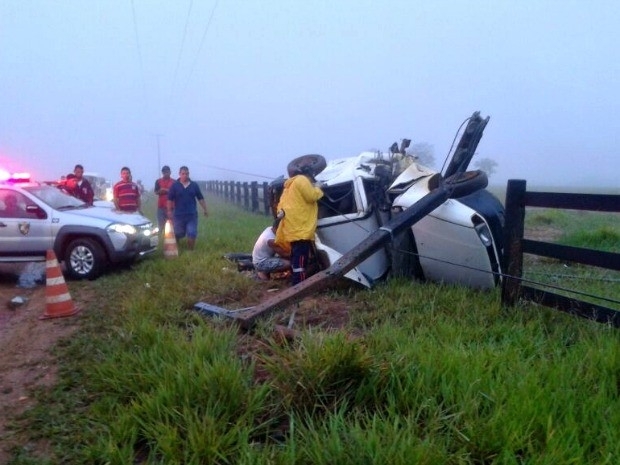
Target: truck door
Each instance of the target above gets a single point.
(24, 227)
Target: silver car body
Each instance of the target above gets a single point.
(50, 219)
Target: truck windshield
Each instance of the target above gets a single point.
(54, 197)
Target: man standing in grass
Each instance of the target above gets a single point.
(126, 193)
(182, 198)
(298, 210)
(162, 186)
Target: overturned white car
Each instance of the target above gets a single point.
(380, 216)
(460, 241)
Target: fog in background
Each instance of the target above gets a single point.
(235, 89)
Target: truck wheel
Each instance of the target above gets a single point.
(84, 259)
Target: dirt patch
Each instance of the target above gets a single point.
(26, 341)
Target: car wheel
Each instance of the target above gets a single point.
(84, 259)
(462, 184)
(307, 164)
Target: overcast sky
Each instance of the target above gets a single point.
(244, 86)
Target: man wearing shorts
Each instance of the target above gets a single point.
(182, 198)
(267, 257)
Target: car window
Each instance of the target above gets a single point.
(54, 197)
(13, 205)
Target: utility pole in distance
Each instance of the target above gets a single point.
(158, 136)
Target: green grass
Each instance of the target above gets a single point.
(423, 373)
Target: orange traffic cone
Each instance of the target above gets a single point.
(58, 301)
(170, 243)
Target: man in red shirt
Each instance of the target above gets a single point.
(162, 186)
(126, 193)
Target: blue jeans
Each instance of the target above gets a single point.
(186, 225)
(162, 217)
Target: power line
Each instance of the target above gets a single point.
(176, 69)
(139, 50)
(202, 41)
(237, 171)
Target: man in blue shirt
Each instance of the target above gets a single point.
(182, 198)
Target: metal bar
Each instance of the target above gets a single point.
(211, 310)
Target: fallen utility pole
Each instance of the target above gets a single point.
(246, 317)
(457, 183)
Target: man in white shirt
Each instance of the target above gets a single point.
(267, 257)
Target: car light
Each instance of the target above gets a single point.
(122, 228)
(484, 234)
(14, 177)
(20, 177)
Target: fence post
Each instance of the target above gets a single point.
(513, 235)
(254, 192)
(266, 203)
(246, 196)
(237, 199)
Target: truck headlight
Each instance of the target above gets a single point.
(122, 228)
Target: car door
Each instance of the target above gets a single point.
(24, 227)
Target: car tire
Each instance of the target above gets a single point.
(84, 259)
(462, 184)
(307, 164)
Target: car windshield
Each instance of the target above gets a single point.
(54, 197)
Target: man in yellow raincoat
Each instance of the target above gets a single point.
(298, 210)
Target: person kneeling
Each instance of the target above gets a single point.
(269, 257)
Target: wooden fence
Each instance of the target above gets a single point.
(515, 245)
(251, 196)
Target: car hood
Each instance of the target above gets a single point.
(107, 214)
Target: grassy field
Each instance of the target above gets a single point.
(421, 373)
